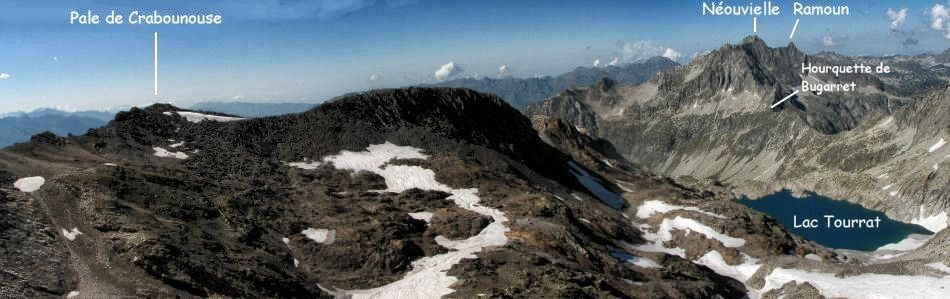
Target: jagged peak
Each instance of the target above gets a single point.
(659, 59)
(752, 40)
(791, 46)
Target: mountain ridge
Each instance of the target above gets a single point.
(520, 92)
(711, 119)
(349, 198)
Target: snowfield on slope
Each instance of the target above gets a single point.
(593, 185)
(655, 206)
(196, 117)
(934, 223)
(864, 285)
(687, 224)
(742, 272)
(428, 277)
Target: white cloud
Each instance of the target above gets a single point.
(671, 54)
(597, 62)
(504, 71)
(940, 19)
(615, 61)
(375, 77)
(897, 18)
(639, 50)
(447, 70)
(644, 49)
(828, 41)
(4, 76)
(56, 58)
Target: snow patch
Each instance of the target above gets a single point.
(109, 164)
(72, 294)
(296, 263)
(934, 223)
(741, 272)
(593, 185)
(161, 152)
(656, 244)
(940, 267)
(174, 145)
(813, 257)
(621, 185)
(285, 240)
(687, 224)
(910, 243)
(936, 146)
(196, 117)
(428, 277)
(305, 165)
(71, 235)
(655, 206)
(887, 187)
(29, 184)
(862, 286)
(322, 236)
(893, 193)
(424, 216)
(633, 259)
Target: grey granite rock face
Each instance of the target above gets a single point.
(712, 119)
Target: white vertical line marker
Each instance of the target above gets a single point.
(155, 62)
(783, 100)
(755, 25)
(790, 35)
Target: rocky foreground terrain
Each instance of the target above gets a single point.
(881, 147)
(412, 192)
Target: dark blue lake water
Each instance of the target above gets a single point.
(798, 215)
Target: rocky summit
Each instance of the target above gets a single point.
(411, 193)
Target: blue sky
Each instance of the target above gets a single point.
(309, 51)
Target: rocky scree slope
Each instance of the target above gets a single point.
(168, 202)
(881, 147)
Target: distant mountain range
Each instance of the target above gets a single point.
(247, 109)
(97, 114)
(20, 128)
(520, 92)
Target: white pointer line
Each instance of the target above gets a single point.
(755, 25)
(783, 100)
(790, 35)
(155, 62)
